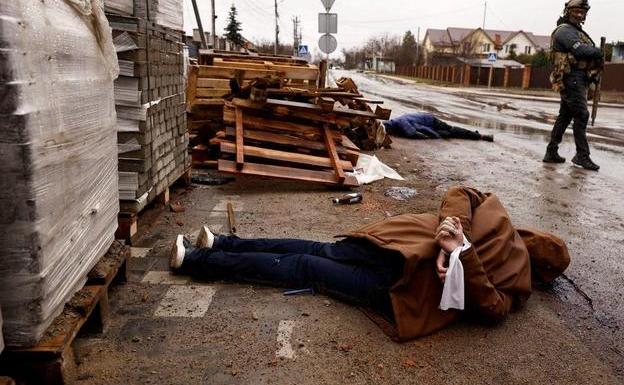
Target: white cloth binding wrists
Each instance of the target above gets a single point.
(453, 291)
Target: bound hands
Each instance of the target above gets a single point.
(449, 235)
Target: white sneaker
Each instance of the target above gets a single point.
(205, 239)
(176, 257)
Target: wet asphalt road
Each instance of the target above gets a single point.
(175, 330)
(584, 208)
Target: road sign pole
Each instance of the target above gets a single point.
(491, 75)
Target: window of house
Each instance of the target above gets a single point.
(527, 50)
(486, 47)
(506, 48)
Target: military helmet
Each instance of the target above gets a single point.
(577, 4)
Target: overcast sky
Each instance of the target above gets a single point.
(360, 19)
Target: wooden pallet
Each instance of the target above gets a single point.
(258, 143)
(51, 361)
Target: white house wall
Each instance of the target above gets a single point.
(521, 42)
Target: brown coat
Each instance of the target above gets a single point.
(497, 269)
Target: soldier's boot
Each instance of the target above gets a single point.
(487, 138)
(552, 156)
(585, 162)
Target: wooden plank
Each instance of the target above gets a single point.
(208, 102)
(213, 83)
(347, 143)
(333, 155)
(191, 87)
(240, 160)
(326, 177)
(314, 114)
(204, 53)
(268, 137)
(314, 107)
(287, 71)
(311, 132)
(212, 92)
(284, 156)
(229, 73)
(382, 113)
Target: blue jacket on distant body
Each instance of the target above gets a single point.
(414, 125)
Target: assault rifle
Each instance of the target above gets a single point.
(603, 42)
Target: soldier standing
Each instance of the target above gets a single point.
(576, 62)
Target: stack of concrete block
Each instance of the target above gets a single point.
(151, 116)
(167, 13)
(58, 157)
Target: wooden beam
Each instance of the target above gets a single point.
(257, 122)
(191, 87)
(333, 155)
(213, 83)
(212, 92)
(326, 177)
(285, 156)
(287, 140)
(216, 72)
(239, 139)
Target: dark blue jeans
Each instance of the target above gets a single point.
(351, 270)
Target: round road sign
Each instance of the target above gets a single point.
(328, 43)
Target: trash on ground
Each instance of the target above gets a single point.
(401, 193)
(348, 199)
(308, 290)
(370, 169)
(211, 181)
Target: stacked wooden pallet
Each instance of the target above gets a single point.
(209, 83)
(285, 139)
(149, 96)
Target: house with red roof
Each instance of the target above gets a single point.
(475, 43)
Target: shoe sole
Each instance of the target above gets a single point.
(203, 238)
(176, 257)
(585, 168)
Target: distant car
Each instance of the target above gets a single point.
(337, 67)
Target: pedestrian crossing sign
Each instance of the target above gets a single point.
(303, 50)
(492, 57)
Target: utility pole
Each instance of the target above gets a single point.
(214, 21)
(276, 29)
(418, 46)
(199, 25)
(484, 14)
(296, 40)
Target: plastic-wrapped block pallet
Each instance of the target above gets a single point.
(119, 7)
(168, 13)
(58, 157)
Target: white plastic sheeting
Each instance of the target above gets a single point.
(58, 156)
(120, 7)
(168, 13)
(370, 169)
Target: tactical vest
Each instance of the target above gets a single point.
(564, 62)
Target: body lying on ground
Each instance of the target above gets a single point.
(396, 267)
(424, 125)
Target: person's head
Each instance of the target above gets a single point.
(548, 254)
(576, 11)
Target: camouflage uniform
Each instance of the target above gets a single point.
(575, 59)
